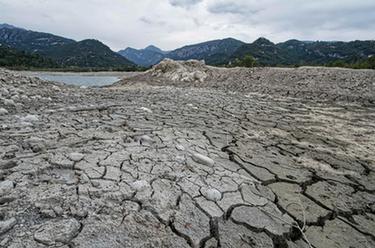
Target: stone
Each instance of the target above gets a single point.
(6, 187)
(57, 231)
(75, 156)
(145, 139)
(211, 194)
(180, 147)
(140, 185)
(7, 225)
(202, 159)
(146, 110)
(3, 111)
(30, 118)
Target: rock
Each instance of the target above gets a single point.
(145, 139)
(211, 194)
(9, 102)
(30, 118)
(140, 185)
(180, 147)
(6, 225)
(3, 111)
(57, 231)
(146, 110)
(202, 159)
(35, 144)
(75, 156)
(6, 187)
(5, 165)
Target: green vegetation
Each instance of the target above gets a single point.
(354, 54)
(12, 58)
(58, 52)
(20, 60)
(247, 61)
(361, 64)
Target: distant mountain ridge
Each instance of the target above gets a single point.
(267, 53)
(146, 57)
(90, 53)
(65, 52)
(214, 52)
(295, 52)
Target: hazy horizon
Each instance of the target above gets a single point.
(169, 24)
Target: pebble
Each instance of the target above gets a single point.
(3, 111)
(146, 109)
(30, 118)
(140, 185)
(145, 139)
(180, 147)
(62, 231)
(202, 159)
(76, 157)
(9, 102)
(6, 225)
(211, 194)
(6, 187)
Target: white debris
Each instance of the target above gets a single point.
(146, 110)
(9, 102)
(202, 159)
(6, 187)
(7, 225)
(3, 111)
(30, 118)
(145, 139)
(140, 185)
(211, 194)
(75, 156)
(180, 147)
(62, 231)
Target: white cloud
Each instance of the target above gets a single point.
(173, 23)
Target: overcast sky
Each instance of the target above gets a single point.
(173, 23)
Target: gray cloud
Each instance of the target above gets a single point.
(232, 7)
(173, 23)
(184, 3)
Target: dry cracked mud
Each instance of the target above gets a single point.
(151, 165)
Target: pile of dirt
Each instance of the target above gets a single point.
(185, 71)
(307, 83)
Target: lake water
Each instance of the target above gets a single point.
(80, 80)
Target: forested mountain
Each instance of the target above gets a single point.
(62, 51)
(214, 52)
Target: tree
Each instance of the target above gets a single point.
(248, 61)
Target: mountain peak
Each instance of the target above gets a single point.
(6, 25)
(153, 48)
(263, 41)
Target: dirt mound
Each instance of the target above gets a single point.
(184, 71)
(306, 83)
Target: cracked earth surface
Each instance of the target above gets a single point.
(163, 166)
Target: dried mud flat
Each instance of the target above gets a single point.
(160, 161)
